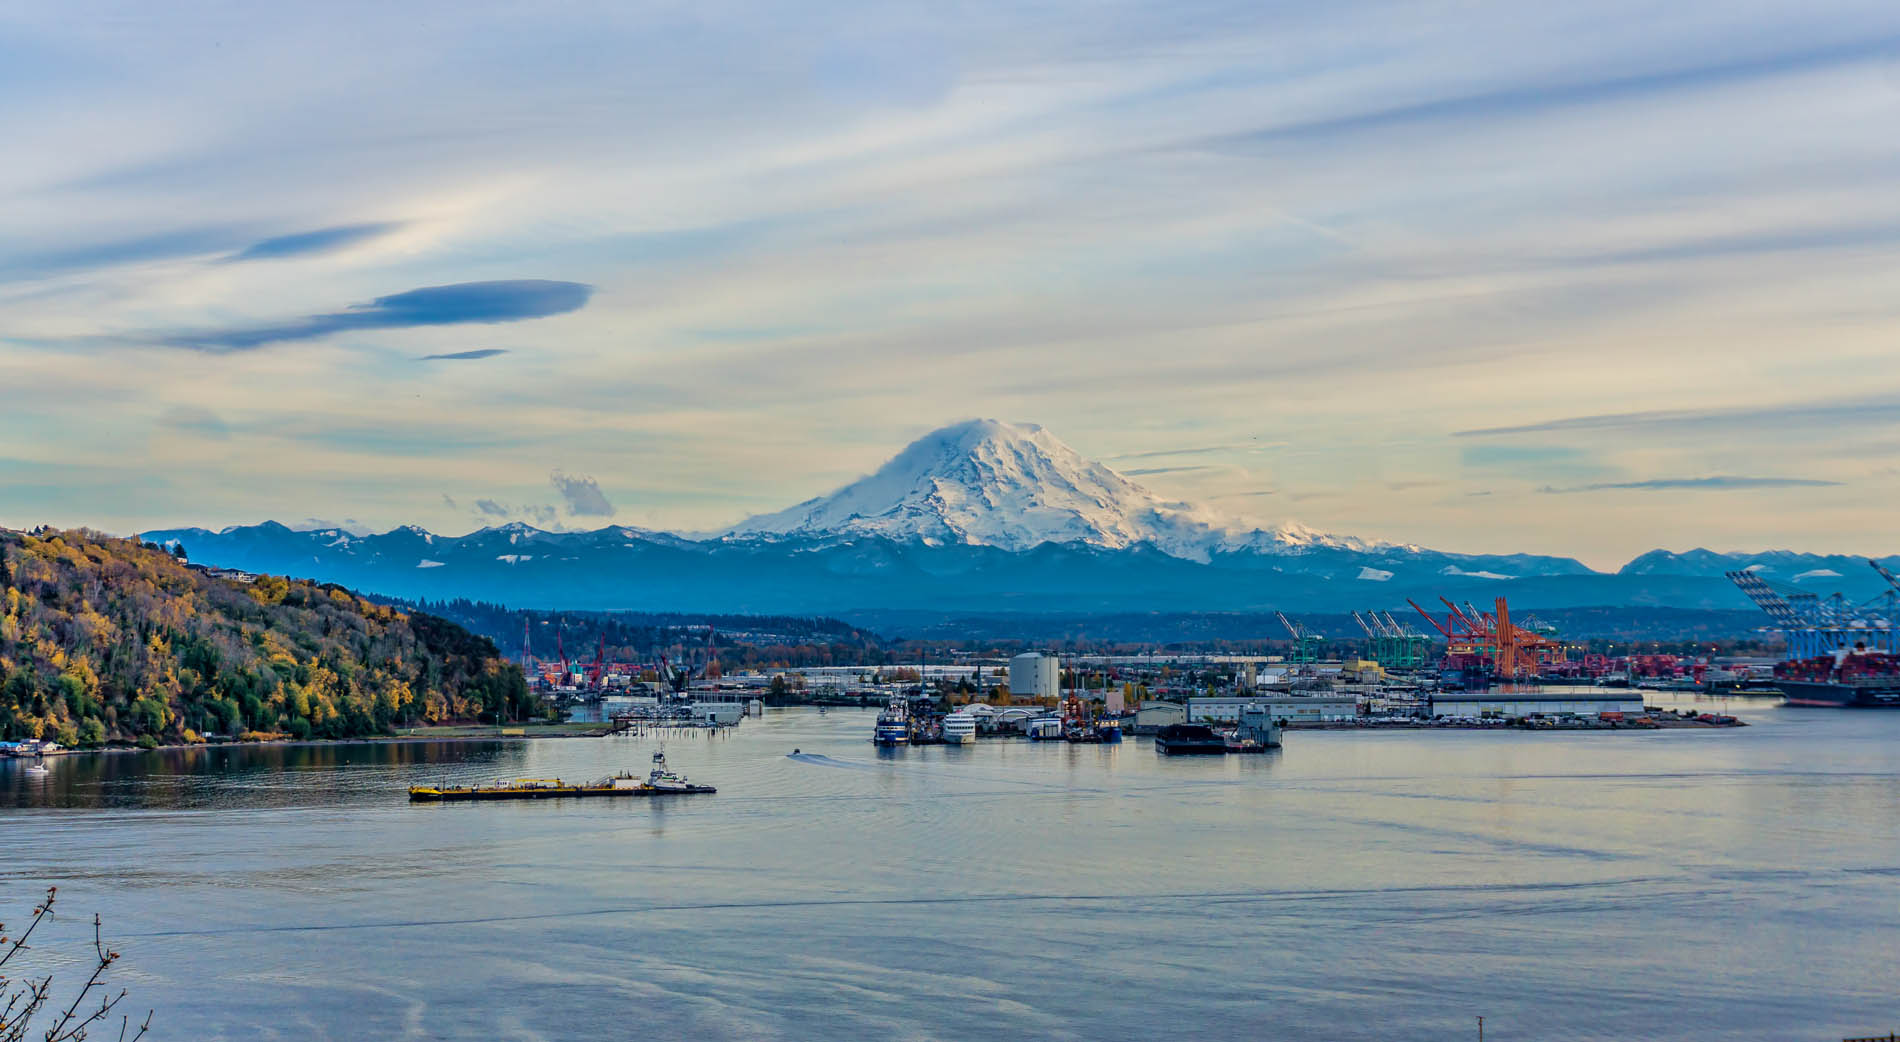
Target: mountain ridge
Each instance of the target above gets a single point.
(979, 515)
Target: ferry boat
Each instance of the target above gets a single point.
(959, 729)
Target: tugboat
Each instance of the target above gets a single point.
(1256, 732)
(663, 780)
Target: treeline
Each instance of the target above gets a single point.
(106, 640)
(734, 641)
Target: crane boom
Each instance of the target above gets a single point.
(1364, 626)
(1444, 629)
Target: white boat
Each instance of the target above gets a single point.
(665, 780)
(959, 729)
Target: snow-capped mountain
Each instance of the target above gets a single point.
(981, 516)
(1787, 566)
(1017, 486)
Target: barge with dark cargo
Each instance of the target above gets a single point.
(660, 782)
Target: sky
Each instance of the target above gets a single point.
(1574, 278)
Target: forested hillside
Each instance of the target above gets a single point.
(735, 641)
(111, 640)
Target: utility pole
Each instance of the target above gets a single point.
(1480, 1029)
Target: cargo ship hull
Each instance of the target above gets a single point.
(1822, 693)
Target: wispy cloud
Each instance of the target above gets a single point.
(465, 356)
(583, 495)
(1169, 470)
(1198, 450)
(204, 240)
(1712, 484)
(510, 300)
(1831, 411)
(533, 513)
(322, 240)
(1534, 98)
(196, 420)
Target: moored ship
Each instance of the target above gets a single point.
(1857, 679)
(959, 729)
(893, 724)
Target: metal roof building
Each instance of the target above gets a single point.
(1584, 701)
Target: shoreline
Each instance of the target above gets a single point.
(590, 729)
(407, 738)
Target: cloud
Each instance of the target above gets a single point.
(1201, 450)
(196, 241)
(323, 240)
(583, 495)
(1168, 470)
(459, 356)
(1720, 482)
(1828, 412)
(1517, 455)
(449, 501)
(539, 514)
(1531, 99)
(196, 420)
(348, 524)
(511, 300)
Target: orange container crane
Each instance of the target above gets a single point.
(1493, 640)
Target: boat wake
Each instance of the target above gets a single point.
(820, 760)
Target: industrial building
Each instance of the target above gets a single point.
(1034, 675)
(1152, 716)
(1506, 704)
(1299, 709)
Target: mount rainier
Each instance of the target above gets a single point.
(979, 516)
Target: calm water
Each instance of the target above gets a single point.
(1714, 885)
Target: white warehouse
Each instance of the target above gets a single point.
(1034, 675)
(1297, 709)
(1555, 702)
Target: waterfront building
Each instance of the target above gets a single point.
(1558, 702)
(1301, 709)
(1152, 716)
